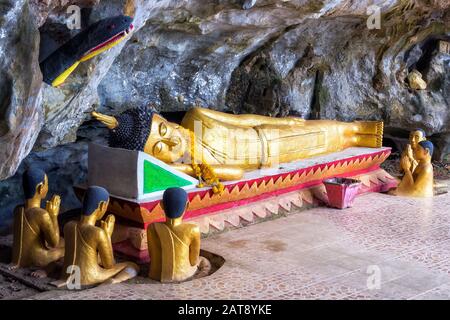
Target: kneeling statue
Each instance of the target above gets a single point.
(174, 246)
(417, 182)
(36, 241)
(89, 247)
(223, 146)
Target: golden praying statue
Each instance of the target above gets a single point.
(174, 246)
(37, 242)
(214, 144)
(415, 137)
(419, 182)
(89, 247)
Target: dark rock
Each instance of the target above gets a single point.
(65, 165)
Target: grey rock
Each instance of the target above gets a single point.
(21, 116)
(65, 165)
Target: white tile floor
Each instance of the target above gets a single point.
(321, 254)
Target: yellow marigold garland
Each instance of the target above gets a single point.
(204, 172)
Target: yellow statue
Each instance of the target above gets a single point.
(417, 183)
(37, 242)
(225, 146)
(174, 246)
(89, 247)
(415, 137)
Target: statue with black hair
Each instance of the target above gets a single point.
(89, 247)
(174, 246)
(37, 242)
(420, 181)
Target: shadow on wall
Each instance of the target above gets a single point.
(65, 165)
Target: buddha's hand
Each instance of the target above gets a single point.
(296, 120)
(108, 225)
(409, 152)
(53, 205)
(405, 163)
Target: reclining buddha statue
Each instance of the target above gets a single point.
(214, 145)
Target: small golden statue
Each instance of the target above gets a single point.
(212, 145)
(174, 246)
(416, 81)
(37, 242)
(89, 247)
(415, 137)
(419, 182)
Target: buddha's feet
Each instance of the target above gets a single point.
(370, 134)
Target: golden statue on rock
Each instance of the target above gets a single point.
(89, 247)
(220, 145)
(174, 246)
(37, 242)
(417, 182)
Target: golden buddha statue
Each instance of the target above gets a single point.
(232, 144)
(36, 239)
(415, 137)
(174, 246)
(417, 183)
(89, 247)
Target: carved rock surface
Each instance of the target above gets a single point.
(311, 58)
(21, 115)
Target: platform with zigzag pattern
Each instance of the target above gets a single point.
(259, 185)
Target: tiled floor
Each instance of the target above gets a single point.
(383, 248)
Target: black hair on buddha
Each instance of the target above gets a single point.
(31, 178)
(421, 130)
(174, 201)
(133, 129)
(92, 198)
(428, 145)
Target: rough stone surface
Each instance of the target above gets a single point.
(21, 116)
(310, 58)
(65, 166)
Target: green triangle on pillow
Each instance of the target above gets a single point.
(157, 178)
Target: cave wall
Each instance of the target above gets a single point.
(311, 58)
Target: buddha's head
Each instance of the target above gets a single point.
(424, 150)
(166, 141)
(95, 202)
(35, 184)
(174, 203)
(416, 136)
(144, 130)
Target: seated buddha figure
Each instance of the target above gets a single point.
(89, 247)
(417, 183)
(415, 137)
(174, 246)
(232, 144)
(36, 239)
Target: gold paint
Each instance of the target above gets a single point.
(108, 121)
(90, 248)
(174, 248)
(63, 76)
(232, 144)
(420, 181)
(414, 138)
(37, 242)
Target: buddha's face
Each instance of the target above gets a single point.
(166, 141)
(415, 137)
(420, 153)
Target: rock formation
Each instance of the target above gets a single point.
(310, 58)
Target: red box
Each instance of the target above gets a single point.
(341, 191)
